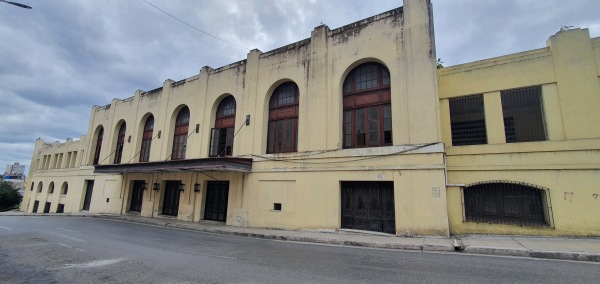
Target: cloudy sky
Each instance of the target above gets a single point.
(61, 57)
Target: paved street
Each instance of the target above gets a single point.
(88, 250)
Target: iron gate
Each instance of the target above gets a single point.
(217, 193)
(171, 198)
(368, 206)
(137, 195)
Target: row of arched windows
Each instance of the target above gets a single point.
(367, 119)
(63, 190)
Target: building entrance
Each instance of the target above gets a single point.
(368, 206)
(171, 199)
(217, 193)
(88, 195)
(137, 195)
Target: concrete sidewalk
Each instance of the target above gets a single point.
(579, 249)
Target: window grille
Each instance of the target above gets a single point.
(523, 114)
(467, 119)
(505, 203)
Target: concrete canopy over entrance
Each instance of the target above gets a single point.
(210, 164)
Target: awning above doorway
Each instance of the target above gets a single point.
(196, 165)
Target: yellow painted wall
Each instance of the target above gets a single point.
(566, 164)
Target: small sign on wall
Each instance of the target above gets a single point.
(435, 192)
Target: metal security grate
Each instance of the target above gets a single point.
(467, 119)
(523, 115)
(505, 203)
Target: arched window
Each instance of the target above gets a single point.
(221, 137)
(367, 107)
(65, 188)
(51, 188)
(32, 183)
(120, 144)
(180, 136)
(282, 135)
(98, 146)
(40, 186)
(147, 139)
(506, 203)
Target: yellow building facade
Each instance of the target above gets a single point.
(348, 129)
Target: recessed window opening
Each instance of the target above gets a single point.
(523, 114)
(147, 139)
(367, 118)
(506, 203)
(277, 206)
(467, 118)
(282, 133)
(98, 146)
(221, 141)
(120, 144)
(180, 136)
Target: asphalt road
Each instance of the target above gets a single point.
(89, 250)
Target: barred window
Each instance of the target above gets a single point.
(523, 114)
(505, 203)
(467, 119)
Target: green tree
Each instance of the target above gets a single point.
(439, 63)
(9, 197)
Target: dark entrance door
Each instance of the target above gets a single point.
(368, 206)
(171, 200)
(137, 195)
(217, 193)
(88, 195)
(36, 204)
(47, 207)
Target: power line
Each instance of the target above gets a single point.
(189, 25)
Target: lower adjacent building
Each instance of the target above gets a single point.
(352, 128)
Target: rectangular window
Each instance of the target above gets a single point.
(74, 159)
(368, 127)
(467, 120)
(221, 142)
(523, 114)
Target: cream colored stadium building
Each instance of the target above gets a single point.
(352, 128)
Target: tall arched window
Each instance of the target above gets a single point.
(98, 146)
(282, 135)
(180, 136)
(147, 139)
(51, 188)
(221, 137)
(120, 144)
(505, 203)
(367, 107)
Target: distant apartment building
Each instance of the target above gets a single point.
(352, 128)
